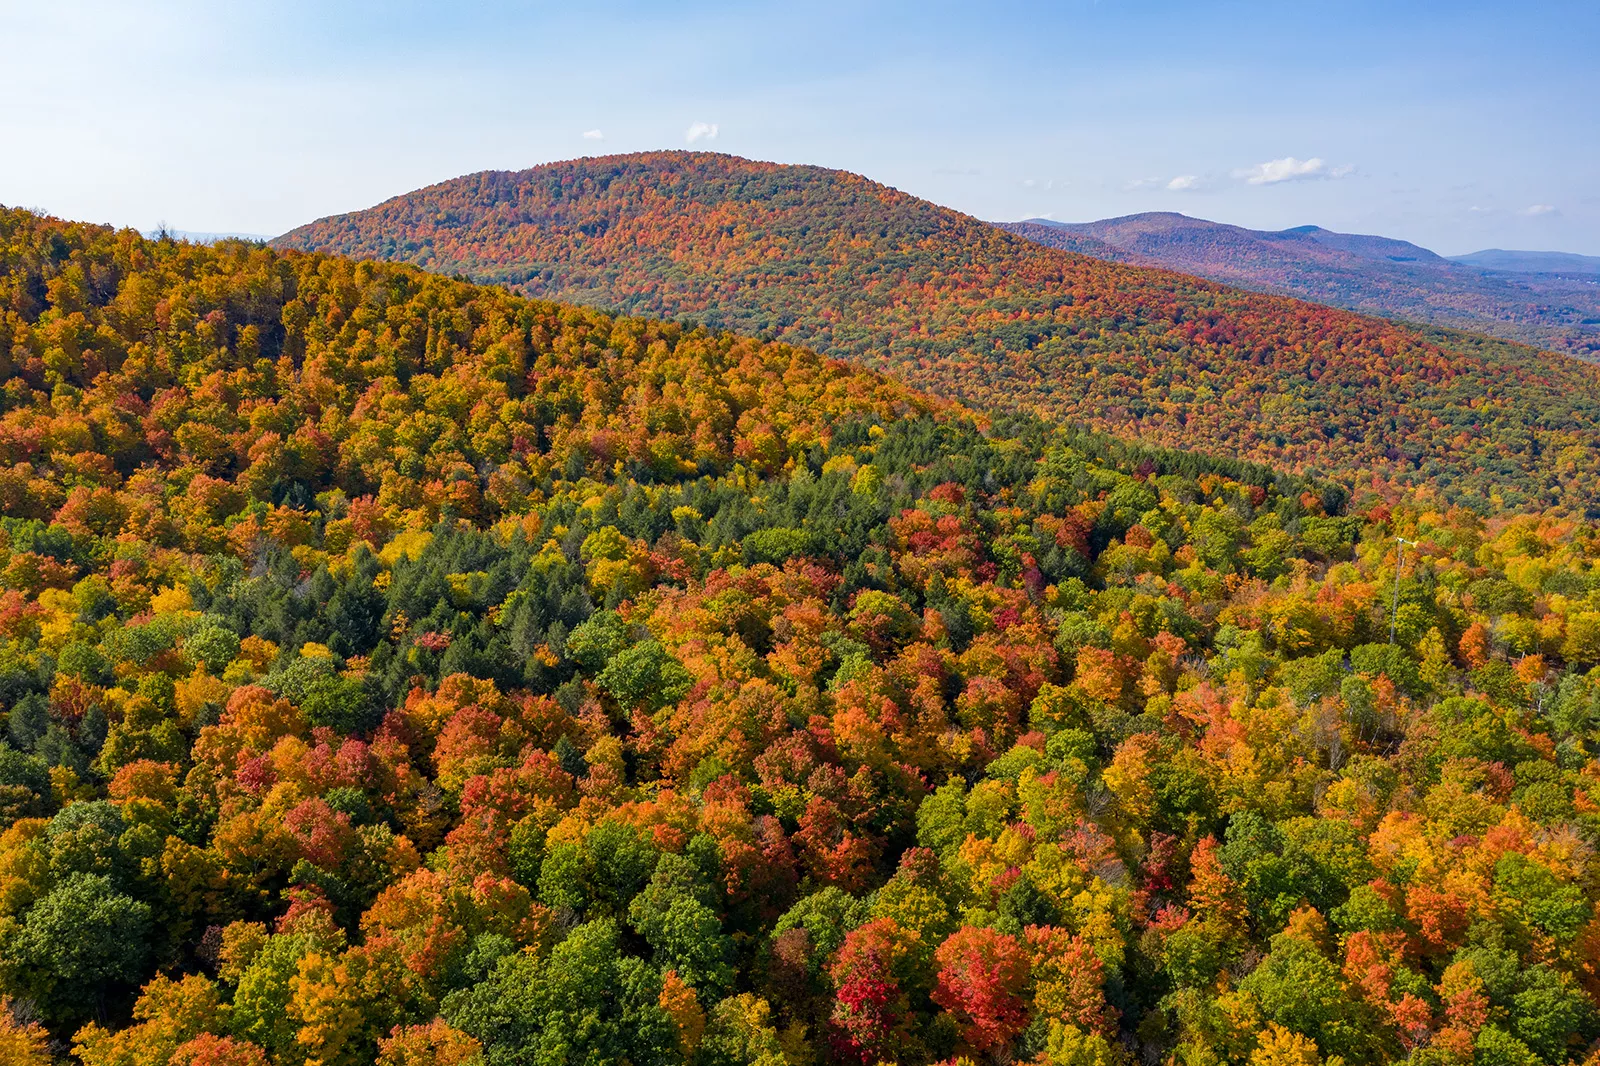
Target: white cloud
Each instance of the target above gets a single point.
(593, 135)
(1184, 183)
(707, 130)
(1291, 169)
(1538, 209)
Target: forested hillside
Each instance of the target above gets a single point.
(959, 308)
(1547, 300)
(398, 670)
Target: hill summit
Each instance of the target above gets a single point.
(963, 309)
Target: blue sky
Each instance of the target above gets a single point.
(1457, 125)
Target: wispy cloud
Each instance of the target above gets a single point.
(1535, 210)
(1276, 171)
(1181, 183)
(701, 131)
(593, 135)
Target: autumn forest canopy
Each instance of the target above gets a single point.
(966, 310)
(399, 669)
(1534, 299)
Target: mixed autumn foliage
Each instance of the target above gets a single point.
(1376, 275)
(962, 309)
(399, 670)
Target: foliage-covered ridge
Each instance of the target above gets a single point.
(400, 671)
(963, 309)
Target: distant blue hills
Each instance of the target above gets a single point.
(1547, 299)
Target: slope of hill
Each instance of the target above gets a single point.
(394, 670)
(963, 309)
(1539, 298)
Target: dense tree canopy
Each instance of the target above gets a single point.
(400, 671)
(963, 309)
(1375, 275)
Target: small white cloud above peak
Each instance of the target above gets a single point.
(700, 131)
(1535, 210)
(593, 135)
(1184, 183)
(1289, 168)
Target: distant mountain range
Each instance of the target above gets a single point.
(1533, 262)
(1549, 299)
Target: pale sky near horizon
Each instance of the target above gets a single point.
(1459, 125)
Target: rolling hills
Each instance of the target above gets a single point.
(1532, 262)
(399, 671)
(1544, 299)
(962, 309)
